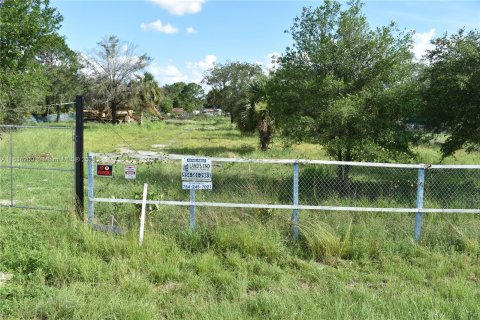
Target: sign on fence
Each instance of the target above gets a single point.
(130, 172)
(105, 170)
(196, 173)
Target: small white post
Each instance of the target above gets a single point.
(142, 217)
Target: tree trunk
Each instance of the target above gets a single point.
(141, 118)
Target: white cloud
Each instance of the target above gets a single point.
(158, 26)
(197, 69)
(180, 7)
(193, 71)
(421, 43)
(191, 30)
(168, 75)
(124, 47)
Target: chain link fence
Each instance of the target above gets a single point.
(287, 184)
(32, 176)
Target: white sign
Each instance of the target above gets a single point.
(130, 172)
(196, 173)
(196, 169)
(192, 185)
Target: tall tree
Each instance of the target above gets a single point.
(452, 90)
(231, 81)
(27, 28)
(113, 65)
(345, 86)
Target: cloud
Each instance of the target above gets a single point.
(168, 75)
(191, 30)
(180, 7)
(193, 71)
(158, 26)
(421, 43)
(198, 68)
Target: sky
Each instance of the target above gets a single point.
(187, 37)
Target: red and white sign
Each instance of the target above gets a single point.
(130, 172)
(105, 170)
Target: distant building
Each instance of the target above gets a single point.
(212, 112)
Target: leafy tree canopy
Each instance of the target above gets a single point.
(230, 82)
(452, 90)
(28, 30)
(189, 96)
(344, 85)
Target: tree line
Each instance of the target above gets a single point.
(354, 89)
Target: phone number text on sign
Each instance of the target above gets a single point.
(189, 185)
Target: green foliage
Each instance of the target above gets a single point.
(451, 86)
(189, 96)
(345, 86)
(192, 97)
(28, 29)
(230, 83)
(256, 115)
(146, 95)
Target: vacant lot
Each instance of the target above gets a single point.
(237, 263)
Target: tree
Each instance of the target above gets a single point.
(452, 90)
(146, 95)
(192, 97)
(256, 115)
(231, 81)
(173, 91)
(61, 65)
(27, 28)
(187, 96)
(345, 86)
(113, 65)
(213, 99)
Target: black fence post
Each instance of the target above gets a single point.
(79, 183)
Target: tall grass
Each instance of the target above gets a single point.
(237, 264)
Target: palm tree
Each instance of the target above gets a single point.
(147, 94)
(256, 115)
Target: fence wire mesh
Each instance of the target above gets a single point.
(452, 188)
(36, 167)
(340, 185)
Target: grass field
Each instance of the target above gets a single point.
(237, 264)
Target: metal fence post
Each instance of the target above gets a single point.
(192, 209)
(295, 200)
(420, 189)
(11, 166)
(91, 203)
(79, 184)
